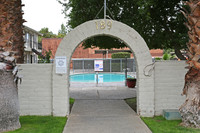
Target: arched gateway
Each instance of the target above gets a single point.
(145, 84)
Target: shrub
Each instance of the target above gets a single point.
(121, 55)
(47, 59)
(157, 58)
(166, 56)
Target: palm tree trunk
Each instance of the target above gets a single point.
(11, 51)
(190, 110)
(9, 104)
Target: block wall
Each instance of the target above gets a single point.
(169, 82)
(35, 94)
(36, 91)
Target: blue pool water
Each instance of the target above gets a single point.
(102, 77)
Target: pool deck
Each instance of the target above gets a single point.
(89, 84)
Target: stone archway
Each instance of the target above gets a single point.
(145, 84)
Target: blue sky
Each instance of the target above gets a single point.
(43, 13)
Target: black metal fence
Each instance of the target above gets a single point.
(109, 65)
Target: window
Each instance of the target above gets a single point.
(26, 36)
(31, 41)
(35, 58)
(26, 39)
(35, 42)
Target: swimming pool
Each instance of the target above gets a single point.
(102, 77)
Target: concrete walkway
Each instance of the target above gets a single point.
(104, 116)
(102, 92)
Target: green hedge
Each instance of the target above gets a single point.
(121, 55)
(116, 67)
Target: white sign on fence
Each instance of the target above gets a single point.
(61, 64)
(98, 65)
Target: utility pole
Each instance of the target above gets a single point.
(105, 9)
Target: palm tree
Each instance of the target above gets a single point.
(190, 110)
(11, 52)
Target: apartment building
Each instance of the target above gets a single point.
(31, 44)
(89, 53)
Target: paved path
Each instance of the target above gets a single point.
(104, 116)
(102, 92)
